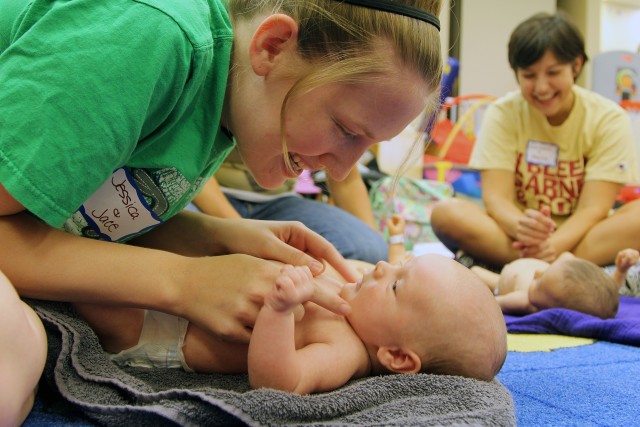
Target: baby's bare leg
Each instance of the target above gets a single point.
(205, 353)
(117, 328)
(24, 350)
(624, 260)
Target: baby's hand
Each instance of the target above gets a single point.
(293, 287)
(626, 258)
(395, 224)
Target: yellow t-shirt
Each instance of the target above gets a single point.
(551, 163)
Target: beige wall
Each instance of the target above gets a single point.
(444, 27)
(485, 29)
(586, 15)
(487, 24)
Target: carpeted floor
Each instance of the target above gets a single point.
(564, 381)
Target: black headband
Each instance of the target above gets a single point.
(399, 9)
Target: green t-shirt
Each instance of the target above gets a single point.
(111, 110)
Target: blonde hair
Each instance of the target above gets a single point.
(342, 42)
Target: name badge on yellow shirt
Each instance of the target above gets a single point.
(542, 153)
(118, 209)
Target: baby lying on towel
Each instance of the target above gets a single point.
(429, 315)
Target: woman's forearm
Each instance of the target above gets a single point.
(188, 233)
(46, 263)
(505, 213)
(573, 230)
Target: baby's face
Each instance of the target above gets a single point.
(431, 305)
(384, 301)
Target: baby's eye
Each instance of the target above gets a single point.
(394, 286)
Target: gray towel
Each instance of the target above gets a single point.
(83, 374)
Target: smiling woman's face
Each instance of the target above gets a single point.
(328, 127)
(547, 85)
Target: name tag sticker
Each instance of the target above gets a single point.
(542, 153)
(117, 209)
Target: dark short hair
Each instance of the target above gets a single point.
(541, 32)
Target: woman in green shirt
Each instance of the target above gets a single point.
(115, 113)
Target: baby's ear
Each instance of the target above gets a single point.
(398, 360)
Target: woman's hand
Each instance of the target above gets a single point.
(533, 235)
(534, 227)
(543, 251)
(223, 294)
(289, 242)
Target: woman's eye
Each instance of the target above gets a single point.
(345, 132)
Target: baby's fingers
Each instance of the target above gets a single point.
(631, 255)
(626, 258)
(283, 294)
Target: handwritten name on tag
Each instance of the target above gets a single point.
(542, 153)
(117, 209)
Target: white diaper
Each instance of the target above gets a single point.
(160, 343)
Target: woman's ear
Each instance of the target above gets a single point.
(577, 66)
(398, 360)
(276, 34)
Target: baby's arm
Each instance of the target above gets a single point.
(624, 260)
(488, 277)
(397, 252)
(274, 361)
(516, 302)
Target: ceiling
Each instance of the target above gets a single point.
(628, 3)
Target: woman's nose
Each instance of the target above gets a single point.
(541, 85)
(340, 163)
